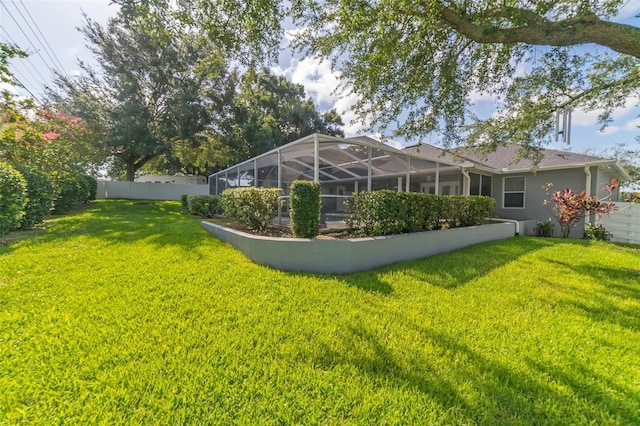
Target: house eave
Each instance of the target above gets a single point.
(624, 175)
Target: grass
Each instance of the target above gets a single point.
(130, 313)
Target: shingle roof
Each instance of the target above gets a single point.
(502, 159)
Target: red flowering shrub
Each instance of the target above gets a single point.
(570, 207)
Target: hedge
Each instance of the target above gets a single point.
(90, 188)
(305, 208)
(253, 207)
(184, 206)
(13, 198)
(68, 191)
(387, 212)
(39, 194)
(202, 205)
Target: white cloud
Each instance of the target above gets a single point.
(610, 130)
(322, 84)
(628, 10)
(590, 118)
(632, 124)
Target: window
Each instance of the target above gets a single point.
(479, 184)
(513, 192)
(485, 188)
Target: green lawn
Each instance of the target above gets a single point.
(130, 313)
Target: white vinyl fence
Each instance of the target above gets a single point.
(624, 223)
(147, 191)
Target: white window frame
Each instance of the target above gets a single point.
(505, 192)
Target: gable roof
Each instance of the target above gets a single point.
(502, 159)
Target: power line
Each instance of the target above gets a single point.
(28, 39)
(27, 89)
(55, 57)
(27, 58)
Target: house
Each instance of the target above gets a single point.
(518, 185)
(344, 166)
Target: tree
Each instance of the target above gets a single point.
(8, 51)
(270, 111)
(418, 65)
(427, 60)
(146, 95)
(45, 139)
(630, 159)
(249, 32)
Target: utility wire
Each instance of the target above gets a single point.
(55, 57)
(28, 39)
(22, 77)
(21, 85)
(28, 59)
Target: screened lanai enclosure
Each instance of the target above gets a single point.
(343, 166)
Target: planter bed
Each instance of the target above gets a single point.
(357, 254)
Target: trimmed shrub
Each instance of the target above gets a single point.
(184, 204)
(596, 232)
(13, 197)
(253, 207)
(67, 191)
(305, 208)
(91, 187)
(387, 212)
(544, 229)
(83, 196)
(202, 205)
(39, 194)
(469, 210)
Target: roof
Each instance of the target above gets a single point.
(502, 159)
(331, 159)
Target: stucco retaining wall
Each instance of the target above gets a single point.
(358, 254)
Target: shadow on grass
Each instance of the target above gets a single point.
(608, 303)
(456, 269)
(448, 270)
(159, 223)
(476, 389)
(596, 389)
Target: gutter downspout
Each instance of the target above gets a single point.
(496, 219)
(587, 188)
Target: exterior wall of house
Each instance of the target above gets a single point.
(603, 176)
(534, 195)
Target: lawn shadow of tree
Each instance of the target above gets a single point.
(460, 267)
(448, 270)
(610, 303)
(158, 223)
(479, 389)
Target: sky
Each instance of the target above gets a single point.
(47, 30)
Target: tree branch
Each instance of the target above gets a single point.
(581, 29)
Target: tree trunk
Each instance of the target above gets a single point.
(131, 172)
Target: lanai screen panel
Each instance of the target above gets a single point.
(246, 174)
(268, 170)
(419, 165)
(297, 161)
(385, 163)
(339, 160)
(232, 177)
(342, 161)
